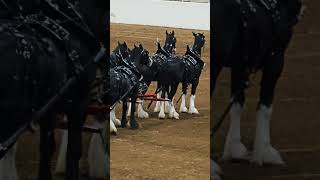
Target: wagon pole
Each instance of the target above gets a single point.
(39, 114)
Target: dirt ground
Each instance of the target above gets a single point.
(296, 117)
(163, 149)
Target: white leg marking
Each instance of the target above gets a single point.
(61, 161)
(141, 112)
(172, 112)
(215, 171)
(192, 108)
(233, 148)
(113, 128)
(157, 107)
(113, 118)
(98, 158)
(129, 109)
(263, 151)
(167, 106)
(161, 115)
(8, 169)
(183, 108)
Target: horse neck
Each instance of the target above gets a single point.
(197, 49)
(166, 47)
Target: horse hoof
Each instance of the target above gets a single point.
(123, 125)
(183, 109)
(235, 151)
(134, 126)
(117, 122)
(193, 111)
(143, 114)
(267, 155)
(161, 116)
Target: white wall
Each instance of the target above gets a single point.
(186, 15)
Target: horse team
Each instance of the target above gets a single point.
(132, 71)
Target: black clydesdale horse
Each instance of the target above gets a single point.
(149, 73)
(44, 71)
(186, 69)
(199, 40)
(249, 37)
(127, 82)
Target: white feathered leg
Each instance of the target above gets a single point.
(113, 118)
(192, 108)
(8, 169)
(141, 112)
(173, 113)
(233, 148)
(162, 115)
(98, 158)
(129, 109)
(157, 107)
(113, 128)
(263, 151)
(183, 108)
(61, 161)
(215, 171)
(167, 106)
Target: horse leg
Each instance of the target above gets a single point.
(113, 128)
(98, 157)
(183, 108)
(140, 111)
(162, 115)
(113, 117)
(233, 148)
(157, 107)
(129, 109)
(133, 122)
(192, 107)
(124, 111)
(76, 119)
(8, 169)
(172, 112)
(166, 103)
(263, 151)
(47, 146)
(61, 160)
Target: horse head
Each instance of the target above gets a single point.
(122, 49)
(141, 56)
(199, 40)
(170, 43)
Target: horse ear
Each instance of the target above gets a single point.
(134, 45)
(172, 32)
(124, 43)
(166, 32)
(159, 46)
(194, 34)
(140, 46)
(188, 48)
